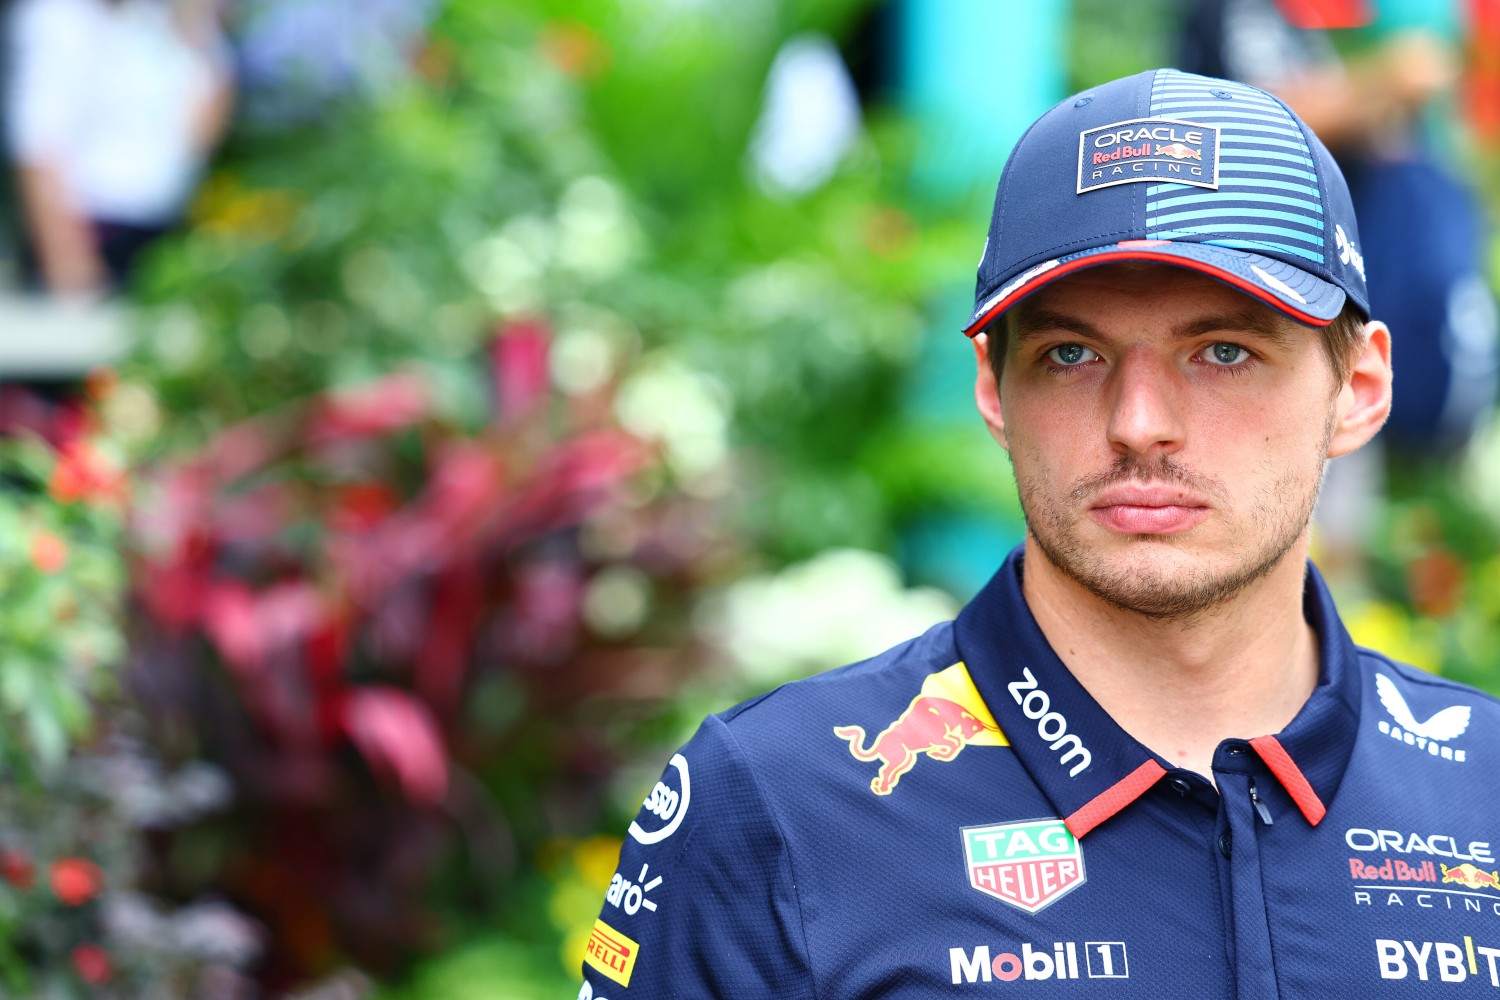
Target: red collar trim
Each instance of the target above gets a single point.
(1291, 777)
(1114, 798)
(1131, 787)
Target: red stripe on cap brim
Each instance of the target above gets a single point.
(1117, 254)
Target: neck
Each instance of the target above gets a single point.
(1240, 669)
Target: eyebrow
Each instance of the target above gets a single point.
(1031, 322)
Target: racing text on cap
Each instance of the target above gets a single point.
(1154, 150)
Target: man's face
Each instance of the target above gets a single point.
(1168, 434)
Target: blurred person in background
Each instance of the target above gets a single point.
(297, 59)
(1386, 112)
(112, 108)
(1148, 749)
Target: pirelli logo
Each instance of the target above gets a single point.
(611, 952)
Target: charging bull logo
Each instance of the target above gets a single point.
(945, 717)
(1178, 151)
(1468, 875)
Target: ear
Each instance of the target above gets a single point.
(986, 392)
(1364, 400)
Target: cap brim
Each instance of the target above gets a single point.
(1280, 285)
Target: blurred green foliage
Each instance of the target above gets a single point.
(62, 575)
(586, 171)
(1108, 39)
(592, 168)
(1426, 589)
(584, 175)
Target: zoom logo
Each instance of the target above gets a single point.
(1050, 725)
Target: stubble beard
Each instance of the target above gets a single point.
(1165, 590)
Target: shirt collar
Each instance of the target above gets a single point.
(1085, 764)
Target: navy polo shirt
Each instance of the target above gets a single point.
(958, 817)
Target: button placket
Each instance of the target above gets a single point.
(1239, 845)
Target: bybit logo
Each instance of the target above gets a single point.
(1453, 963)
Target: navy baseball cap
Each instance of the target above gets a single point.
(1179, 169)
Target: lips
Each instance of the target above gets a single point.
(1148, 510)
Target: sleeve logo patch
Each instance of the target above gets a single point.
(1150, 150)
(665, 805)
(611, 952)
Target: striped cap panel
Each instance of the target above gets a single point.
(1267, 179)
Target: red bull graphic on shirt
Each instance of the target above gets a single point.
(1393, 870)
(1029, 865)
(945, 717)
(1471, 876)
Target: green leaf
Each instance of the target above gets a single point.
(49, 741)
(17, 683)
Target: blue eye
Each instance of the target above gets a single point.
(1226, 354)
(1070, 355)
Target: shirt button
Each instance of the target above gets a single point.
(1225, 841)
(1181, 786)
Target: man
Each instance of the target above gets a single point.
(106, 161)
(1386, 108)
(1146, 759)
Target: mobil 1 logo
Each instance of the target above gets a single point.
(1064, 960)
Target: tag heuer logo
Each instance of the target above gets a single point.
(1028, 865)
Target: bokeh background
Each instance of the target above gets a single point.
(416, 414)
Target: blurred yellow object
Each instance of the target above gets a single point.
(595, 858)
(580, 872)
(1388, 628)
(225, 207)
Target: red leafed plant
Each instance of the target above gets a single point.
(376, 622)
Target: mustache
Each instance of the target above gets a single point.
(1160, 471)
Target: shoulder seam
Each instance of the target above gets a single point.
(1416, 675)
(834, 674)
(785, 846)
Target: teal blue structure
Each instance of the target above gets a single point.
(973, 74)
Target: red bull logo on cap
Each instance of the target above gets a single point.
(1178, 151)
(1148, 150)
(945, 717)
(1028, 865)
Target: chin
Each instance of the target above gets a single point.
(1168, 577)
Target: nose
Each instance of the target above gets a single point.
(1146, 417)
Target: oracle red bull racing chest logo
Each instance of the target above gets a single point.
(1151, 150)
(946, 716)
(1028, 865)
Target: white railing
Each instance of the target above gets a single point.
(48, 338)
